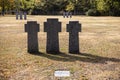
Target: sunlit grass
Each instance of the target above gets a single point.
(99, 45)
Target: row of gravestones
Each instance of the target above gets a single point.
(52, 27)
(67, 14)
(21, 16)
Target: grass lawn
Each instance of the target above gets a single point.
(99, 47)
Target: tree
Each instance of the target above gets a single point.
(0, 8)
(108, 7)
(70, 7)
(6, 5)
(26, 5)
(3, 4)
(105, 7)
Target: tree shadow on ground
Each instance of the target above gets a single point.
(84, 57)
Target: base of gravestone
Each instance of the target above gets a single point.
(53, 52)
(33, 51)
(74, 52)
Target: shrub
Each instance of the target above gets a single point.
(85, 9)
(93, 12)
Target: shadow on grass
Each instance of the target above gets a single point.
(84, 57)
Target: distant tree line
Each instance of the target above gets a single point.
(88, 7)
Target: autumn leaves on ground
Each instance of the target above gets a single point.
(99, 47)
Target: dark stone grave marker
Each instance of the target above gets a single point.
(73, 28)
(17, 15)
(70, 13)
(25, 16)
(21, 15)
(67, 14)
(64, 14)
(52, 27)
(32, 28)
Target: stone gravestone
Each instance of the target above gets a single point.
(70, 13)
(17, 15)
(52, 27)
(25, 16)
(64, 14)
(21, 15)
(67, 14)
(73, 28)
(32, 28)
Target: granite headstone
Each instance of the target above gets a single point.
(21, 15)
(52, 27)
(32, 28)
(17, 15)
(25, 16)
(73, 28)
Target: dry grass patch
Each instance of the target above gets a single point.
(99, 46)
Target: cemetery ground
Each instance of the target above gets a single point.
(99, 46)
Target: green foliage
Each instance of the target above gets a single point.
(93, 12)
(105, 7)
(26, 5)
(108, 7)
(70, 7)
(0, 9)
(7, 4)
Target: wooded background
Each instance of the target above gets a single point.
(55, 7)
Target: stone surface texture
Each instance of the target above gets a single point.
(32, 28)
(52, 27)
(73, 28)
